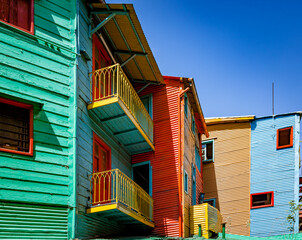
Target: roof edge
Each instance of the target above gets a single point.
(235, 119)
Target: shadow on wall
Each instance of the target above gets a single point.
(45, 137)
(210, 188)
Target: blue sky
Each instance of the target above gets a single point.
(234, 50)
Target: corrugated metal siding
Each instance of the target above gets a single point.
(36, 71)
(164, 160)
(190, 141)
(273, 170)
(228, 178)
(90, 226)
(27, 221)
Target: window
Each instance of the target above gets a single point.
(197, 158)
(260, 200)
(186, 181)
(193, 124)
(211, 201)
(285, 137)
(18, 13)
(147, 101)
(16, 127)
(208, 151)
(186, 104)
(193, 185)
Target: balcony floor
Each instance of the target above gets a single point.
(120, 213)
(116, 117)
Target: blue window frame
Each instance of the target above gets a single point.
(186, 181)
(142, 181)
(193, 124)
(193, 185)
(186, 104)
(197, 158)
(147, 101)
(211, 201)
(208, 151)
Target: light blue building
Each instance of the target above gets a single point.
(274, 179)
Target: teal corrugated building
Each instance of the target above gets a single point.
(70, 117)
(37, 118)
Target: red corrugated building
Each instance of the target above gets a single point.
(178, 127)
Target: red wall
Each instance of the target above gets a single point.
(165, 159)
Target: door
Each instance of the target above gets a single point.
(142, 175)
(102, 177)
(102, 82)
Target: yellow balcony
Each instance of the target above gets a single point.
(207, 217)
(114, 194)
(119, 108)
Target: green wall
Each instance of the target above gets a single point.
(37, 192)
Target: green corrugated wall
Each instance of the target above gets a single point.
(33, 221)
(37, 192)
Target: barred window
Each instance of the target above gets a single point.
(15, 127)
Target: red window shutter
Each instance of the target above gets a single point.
(17, 12)
(13, 12)
(23, 17)
(4, 10)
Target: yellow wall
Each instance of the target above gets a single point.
(228, 178)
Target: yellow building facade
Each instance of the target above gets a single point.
(226, 171)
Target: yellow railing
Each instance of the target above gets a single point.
(208, 217)
(112, 82)
(113, 186)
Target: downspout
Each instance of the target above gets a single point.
(180, 162)
(74, 130)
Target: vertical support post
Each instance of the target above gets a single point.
(207, 231)
(273, 98)
(118, 80)
(117, 186)
(199, 230)
(223, 231)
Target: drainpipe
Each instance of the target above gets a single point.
(74, 127)
(180, 162)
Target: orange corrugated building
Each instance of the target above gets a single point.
(178, 127)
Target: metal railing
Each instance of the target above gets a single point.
(112, 82)
(113, 186)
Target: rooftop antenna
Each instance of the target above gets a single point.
(273, 97)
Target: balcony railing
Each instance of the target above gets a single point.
(114, 187)
(206, 217)
(112, 82)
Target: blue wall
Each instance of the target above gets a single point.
(273, 170)
(88, 225)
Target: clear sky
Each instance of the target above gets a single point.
(233, 49)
